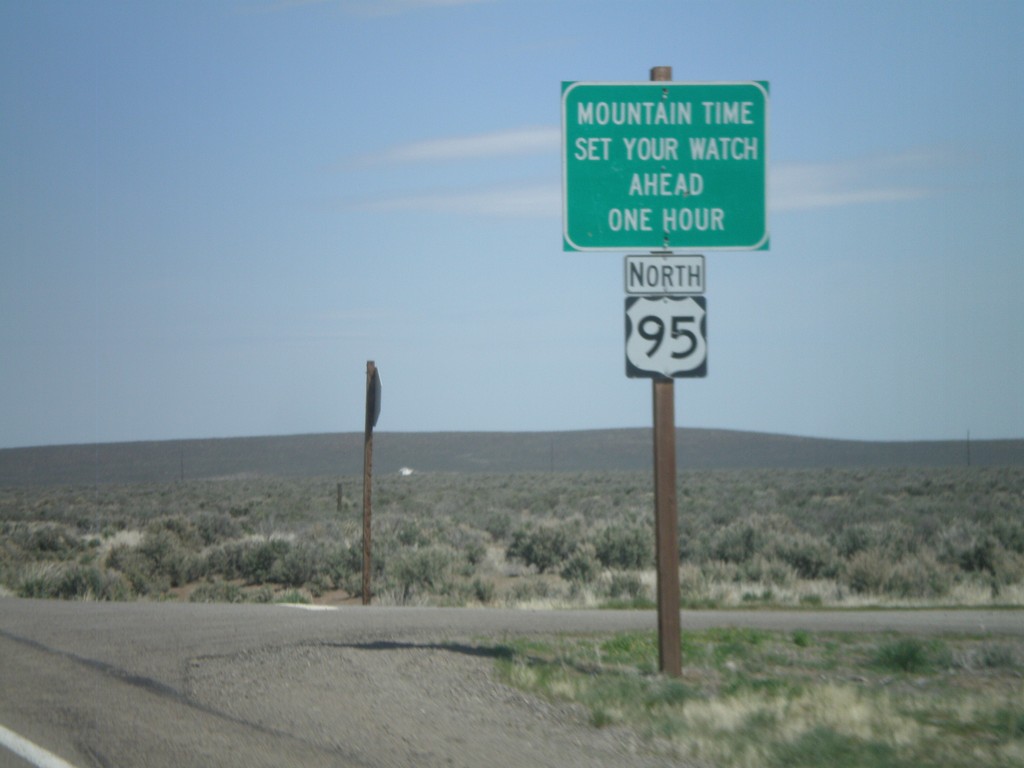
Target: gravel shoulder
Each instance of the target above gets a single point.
(170, 684)
(401, 704)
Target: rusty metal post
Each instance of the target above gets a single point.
(371, 374)
(666, 525)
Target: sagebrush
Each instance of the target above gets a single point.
(808, 537)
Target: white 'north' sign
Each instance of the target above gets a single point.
(665, 274)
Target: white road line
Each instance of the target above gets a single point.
(26, 750)
(307, 607)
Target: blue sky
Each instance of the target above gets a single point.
(212, 214)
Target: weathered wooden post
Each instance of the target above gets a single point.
(372, 413)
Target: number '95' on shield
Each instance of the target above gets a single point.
(666, 337)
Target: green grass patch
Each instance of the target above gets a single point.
(628, 604)
(779, 700)
(909, 655)
(824, 746)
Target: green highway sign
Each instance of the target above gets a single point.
(664, 166)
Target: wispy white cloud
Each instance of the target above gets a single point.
(515, 200)
(879, 179)
(794, 187)
(521, 141)
(364, 7)
(395, 7)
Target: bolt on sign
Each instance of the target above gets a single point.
(664, 166)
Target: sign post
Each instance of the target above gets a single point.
(663, 166)
(666, 528)
(666, 525)
(372, 413)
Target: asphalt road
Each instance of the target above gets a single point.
(177, 684)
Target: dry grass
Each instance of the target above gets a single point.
(751, 698)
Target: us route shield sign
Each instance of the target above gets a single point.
(666, 337)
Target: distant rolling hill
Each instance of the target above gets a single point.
(499, 452)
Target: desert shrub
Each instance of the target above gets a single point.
(483, 591)
(906, 533)
(625, 548)
(997, 656)
(767, 571)
(293, 596)
(898, 538)
(469, 543)
(475, 553)
(1010, 533)
(1009, 569)
(71, 581)
(740, 540)
(169, 557)
(408, 533)
(543, 547)
(918, 576)
(868, 572)
(893, 537)
(183, 529)
(811, 557)
(51, 542)
(736, 542)
(426, 570)
(8, 563)
(529, 589)
(125, 559)
(262, 594)
(31, 541)
(296, 566)
(720, 572)
(380, 566)
(969, 548)
(225, 560)
(217, 592)
(158, 563)
(856, 538)
(973, 549)
(626, 585)
(214, 527)
(581, 567)
(498, 524)
(693, 582)
(259, 558)
(341, 563)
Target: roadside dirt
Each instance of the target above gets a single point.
(406, 704)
